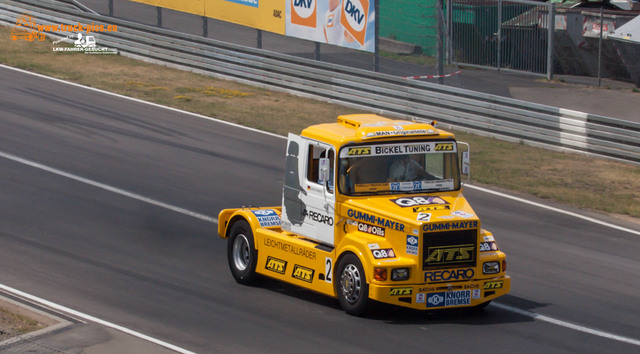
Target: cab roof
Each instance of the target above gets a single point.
(360, 128)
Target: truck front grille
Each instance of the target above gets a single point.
(449, 249)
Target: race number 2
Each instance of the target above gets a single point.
(328, 268)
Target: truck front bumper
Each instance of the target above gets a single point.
(441, 295)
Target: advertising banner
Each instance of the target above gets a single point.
(346, 23)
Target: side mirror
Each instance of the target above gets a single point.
(465, 159)
(324, 170)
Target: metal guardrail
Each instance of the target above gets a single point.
(475, 112)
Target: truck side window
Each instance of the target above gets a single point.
(313, 163)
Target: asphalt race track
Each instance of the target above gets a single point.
(104, 207)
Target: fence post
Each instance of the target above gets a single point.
(316, 51)
(551, 19)
(111, 8)
(440, 15)
(449, 43)
(600, 48)
(376, 37)
(499, 52)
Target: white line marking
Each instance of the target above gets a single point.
(91, 318)
(579, 216)
(569, 325)
(108, 188)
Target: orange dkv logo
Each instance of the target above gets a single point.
(354, 17)
(26, 29)
(303, 12)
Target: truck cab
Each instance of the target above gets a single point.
(372, 209)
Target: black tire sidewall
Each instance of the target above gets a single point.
(359, 307)
(242, 276)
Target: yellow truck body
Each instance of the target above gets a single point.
(372, 209)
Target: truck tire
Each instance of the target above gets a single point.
(352, 286)
(241, 253)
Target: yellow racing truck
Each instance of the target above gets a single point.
(372, 209)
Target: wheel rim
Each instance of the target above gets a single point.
(351, 283)
(241, 252)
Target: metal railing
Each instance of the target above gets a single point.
(480, 113)
(507, 35)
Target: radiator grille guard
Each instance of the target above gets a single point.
(449, 249)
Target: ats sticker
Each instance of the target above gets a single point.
(359, 151)
(267, 217)
(383, 253)
(418, 200)
(450, 298)
(412, 245)
(276, 265)
(302, 273)
(493, 285)
(400, 291)
(449, 255)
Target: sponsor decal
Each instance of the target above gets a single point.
(415, 232)
(448, 255)
(252, 3)
(400, 291)
(276, 265)
(449, 275)
(412, 245)
(471, 286)
(372, 219)
(430, 208)
(267, 217)
(427, 289)
(444, 147)
(447, 299)
(354, 17)
(303, 12)
(317, 217)
(488, 246)
(383, 253)
(371, 229)
(302, 273)
(398, 132)
(488, 238)
(476, 294)
(289, 248)
(418, 200)
(493, 285)
(374, 246)
(460, 225)
(420, 298)
(424, 217)
(462, 214)
(359, 151)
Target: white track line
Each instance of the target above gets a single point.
(576, 327)
(84, 316)
(214, 220)
(108, 188)
(579, 216)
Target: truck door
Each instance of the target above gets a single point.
(308, 206)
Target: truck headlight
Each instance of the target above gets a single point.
(490, 267)
(400, 274)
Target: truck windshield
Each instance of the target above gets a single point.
(399, 168)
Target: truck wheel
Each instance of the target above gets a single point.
(241, 253)
(352, 287)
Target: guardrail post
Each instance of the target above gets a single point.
(259, 39)
(316, 51)
(111, 8)
(205, 26)
(159, 11)
(552, 29)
